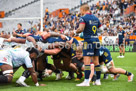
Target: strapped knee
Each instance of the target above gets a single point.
(7, 76)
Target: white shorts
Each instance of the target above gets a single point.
(5, 57)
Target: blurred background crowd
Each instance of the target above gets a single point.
(110, 13)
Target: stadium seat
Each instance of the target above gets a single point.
(0, 24)
(2, 14)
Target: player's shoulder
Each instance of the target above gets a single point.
(123, 30)
(103, 48)
(21, 50)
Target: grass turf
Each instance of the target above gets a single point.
(128, 63)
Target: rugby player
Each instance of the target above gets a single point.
(105, 57)
(19, 33)
(89, 25)
(14, 58)
(121, 41)
(78, 62)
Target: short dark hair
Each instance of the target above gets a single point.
(32, 50)
(20, 24)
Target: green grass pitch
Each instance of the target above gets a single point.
(128, 63)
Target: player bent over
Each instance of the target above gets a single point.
(105, 57)
(14, 58)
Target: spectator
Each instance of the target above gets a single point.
(19, 33)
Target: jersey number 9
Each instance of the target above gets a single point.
(94, 29)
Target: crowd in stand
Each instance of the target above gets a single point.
(110, 13)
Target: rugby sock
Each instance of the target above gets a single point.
(114, 73)
(26, 74)
(87, 72)
(40, 76)
(98, 71)
(22, 79)
(94, 78)
(3, 79)
(128, 73)
(57, 71)
(123, 54)
(77, 71)
(79, 74)
(1, 73)
(120, 54)
(71, 74)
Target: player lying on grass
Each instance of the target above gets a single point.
(105, 57)
(14, 58)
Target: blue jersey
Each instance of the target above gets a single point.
(92, 23)
(74, 45)
(105, 55)
(52, 40)
(121, 35)
(58, 39)
(20, 32)
(90, 36)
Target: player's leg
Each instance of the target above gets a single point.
(92, 72)
(96, 63)
(123, 49)
(87, 70)
(7, 75)
(80, 67)
(59, 66)
(120, 50)
(52, 68)
(112, 69)
(39, 66)
(21, 80)
(72, 69)
(97, 69)
(69, 67)
(31, 39)
(88, 53)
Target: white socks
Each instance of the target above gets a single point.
(22, 79)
